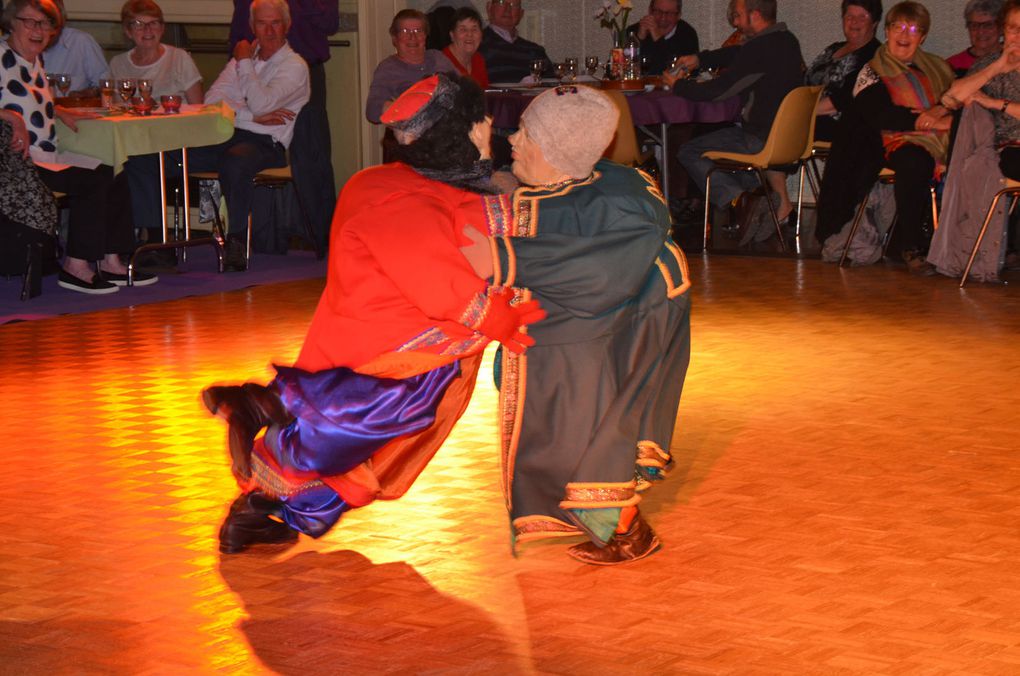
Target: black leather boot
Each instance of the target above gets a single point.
(249, 522)
(638, 542)
(247, 409)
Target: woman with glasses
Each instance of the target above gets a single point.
(171, 70)
(411, 63)
(897, 122)
(986, 149)
(985, 33)
(100, 227)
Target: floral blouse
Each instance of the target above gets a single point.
(839, 75)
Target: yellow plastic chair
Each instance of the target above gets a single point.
(625, 149)
(789, 143)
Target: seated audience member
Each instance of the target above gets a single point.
(897, 121)
(507, 55)
(984, 30)
(99, 228)
(762, 71)
(836, 68)
(737, 37)
(466, 36)
(266, 84)
(76, 53)
(411, 63)
(987, 148)
(664, 35)
(171, 70)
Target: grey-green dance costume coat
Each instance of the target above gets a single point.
(587, 414)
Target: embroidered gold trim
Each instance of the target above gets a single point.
(672, 288)
(582, 495)
(272, 483)
(527, 528)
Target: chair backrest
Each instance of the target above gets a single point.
(793, 131)
(624, 148)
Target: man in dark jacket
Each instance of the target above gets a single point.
(762, 71)
(664, 35)
(507, 55)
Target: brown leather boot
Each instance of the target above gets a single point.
(247, 409)
(638, 542)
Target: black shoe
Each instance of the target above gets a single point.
(234, 259)
(247, 409)
(917, 264)
(161, 259)
(96, 286)
(140, 278)
(249, 522)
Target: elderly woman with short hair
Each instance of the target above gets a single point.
(466, 37)
(985, 31)
(837, 66)
(171, 70)
(99, 228)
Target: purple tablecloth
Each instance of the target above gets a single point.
(656, 107)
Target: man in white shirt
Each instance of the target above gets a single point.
(266, 84)
(76, 53)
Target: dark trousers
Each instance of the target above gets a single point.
(914, 168)
(236, 160)
(1009, 162)
(99, 206)
(311, 158)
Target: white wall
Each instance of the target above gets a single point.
(567, 27)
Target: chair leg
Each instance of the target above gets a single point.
(934, 210)
(800, 199)
(772, 208)
(853, 228)
(708, 208)
(981, 235)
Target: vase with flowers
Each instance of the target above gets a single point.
(613, 14)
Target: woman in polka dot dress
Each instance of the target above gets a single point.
(100, 225)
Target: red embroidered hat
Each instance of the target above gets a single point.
(421, 106)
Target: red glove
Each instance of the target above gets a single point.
(503, 321)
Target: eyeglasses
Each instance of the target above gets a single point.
(512, 4)
(981, 25)
(662, 12)
(410, 31)
(903, 27)
(36, 24)
(142, 26)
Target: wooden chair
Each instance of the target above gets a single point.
(789, 144)
(1011, 188)
(887, 177)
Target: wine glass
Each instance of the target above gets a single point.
(63, 83)
(537, 66)
(591, 64)
(145, 88)
(570, 66)
(126, 87)
(560, 71)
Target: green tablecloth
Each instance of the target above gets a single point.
(112, 139)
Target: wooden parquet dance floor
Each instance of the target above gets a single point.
(846, 500)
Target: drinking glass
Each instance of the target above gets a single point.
(126, 87)
(63, 83)
(591, 64)
(145, 88)
(570, 65)
(106, 90)
(537, 66)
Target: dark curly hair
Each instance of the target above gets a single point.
(446, 145)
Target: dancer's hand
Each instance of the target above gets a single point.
(504, 322)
